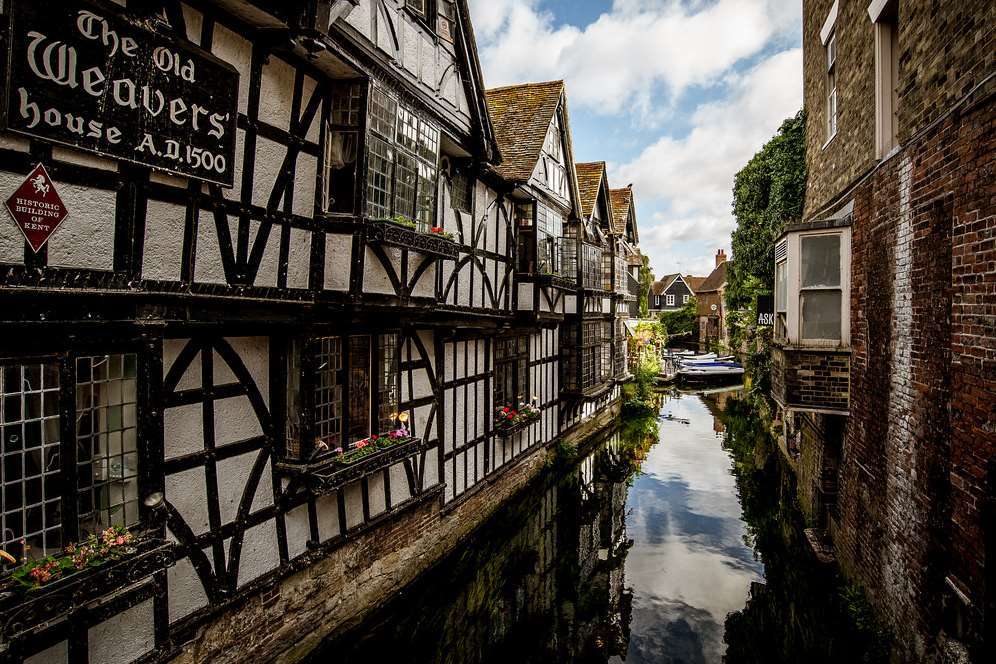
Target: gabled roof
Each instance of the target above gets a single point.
(715, 280)
(662, 284)
(695, 283)
(622, 205)
(521, 116)
(589, 179)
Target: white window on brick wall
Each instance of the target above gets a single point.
(812, 283)
(885, 15)
(670, 299)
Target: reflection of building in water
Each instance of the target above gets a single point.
(543, 581)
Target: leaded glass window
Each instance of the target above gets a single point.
(31, 519)
(379, 178)
(389, 386)
(511, 371)
(328, 391)
(106, 441)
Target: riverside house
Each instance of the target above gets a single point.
(883, 363)
(290, 298)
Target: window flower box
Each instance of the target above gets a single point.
(367, 456)
(43, 592)
(402, 232)
(509, 419)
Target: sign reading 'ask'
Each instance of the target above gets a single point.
(88, 76)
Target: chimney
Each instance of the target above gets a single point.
(720, 257)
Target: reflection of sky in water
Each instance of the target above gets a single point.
(688, 566)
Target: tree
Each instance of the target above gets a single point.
(768, 193)
(646, 279)
(681, 321)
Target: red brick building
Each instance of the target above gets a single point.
(885, 358)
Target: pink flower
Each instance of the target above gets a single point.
(119, 540)
(338, 450)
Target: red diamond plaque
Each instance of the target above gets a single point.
(36, 208)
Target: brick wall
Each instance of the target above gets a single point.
(811, 378)
(923, 377)
(946, 49)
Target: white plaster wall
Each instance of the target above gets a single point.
(85, 239)
(298, 530)
(187, 492)
(236, 51)
(269, 265)
(354, 505)
(254, 352)
(235, 420)
(233, 476)
(53, 655)
(194, 21)
(328, 517)
(375, 279)
(183, 430)
(163, 252)
(276, 93)
(299, 258)
(338, 258)
(375, 483)
(399, 484)
(260, 553)
(192, 376)
(186, 592)
(124, 637)
(305, 182)
(208, 267)
(525, 297)
(426, 285)
(269, 159)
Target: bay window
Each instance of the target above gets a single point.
(812, 282)
(591, 260)
(403, 158)
(94, 461)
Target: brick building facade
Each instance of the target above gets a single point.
(894, 269)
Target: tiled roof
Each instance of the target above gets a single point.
(521, 115)
(694, 282)
(663, 284)
(621, 200)
(589, 178)
(714, 281)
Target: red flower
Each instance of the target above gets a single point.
(505, 410)
(374, 437)
(510, 417)
(514, 413)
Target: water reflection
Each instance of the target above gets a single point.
(648, 547)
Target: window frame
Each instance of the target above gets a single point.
(301, 443)
(832, 102)
(516, 363)
(669, 299)
(884, 14)
(68, 495)
(794, 289)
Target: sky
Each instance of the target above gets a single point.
(674, 95)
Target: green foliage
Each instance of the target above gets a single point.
(680, 321)
(768, 193)
(641, 398)
(646, 280)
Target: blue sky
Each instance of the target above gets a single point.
(675, 95)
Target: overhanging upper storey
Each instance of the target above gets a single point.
(811, 357)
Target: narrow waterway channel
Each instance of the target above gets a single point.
(671, 539)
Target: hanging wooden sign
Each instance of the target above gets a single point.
(86, 76)
(37, 208)
(765, 310)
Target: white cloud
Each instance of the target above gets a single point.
(692, 177)
(629, 52)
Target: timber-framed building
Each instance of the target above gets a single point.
(303, 275)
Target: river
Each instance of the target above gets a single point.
(670, 540)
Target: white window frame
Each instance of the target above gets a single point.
(658, 301)
(794, 292)
(670, 299)
(829, 39)
(884, 15)
(684, 298)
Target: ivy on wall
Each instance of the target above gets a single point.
(768, 193)
(646, 280)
